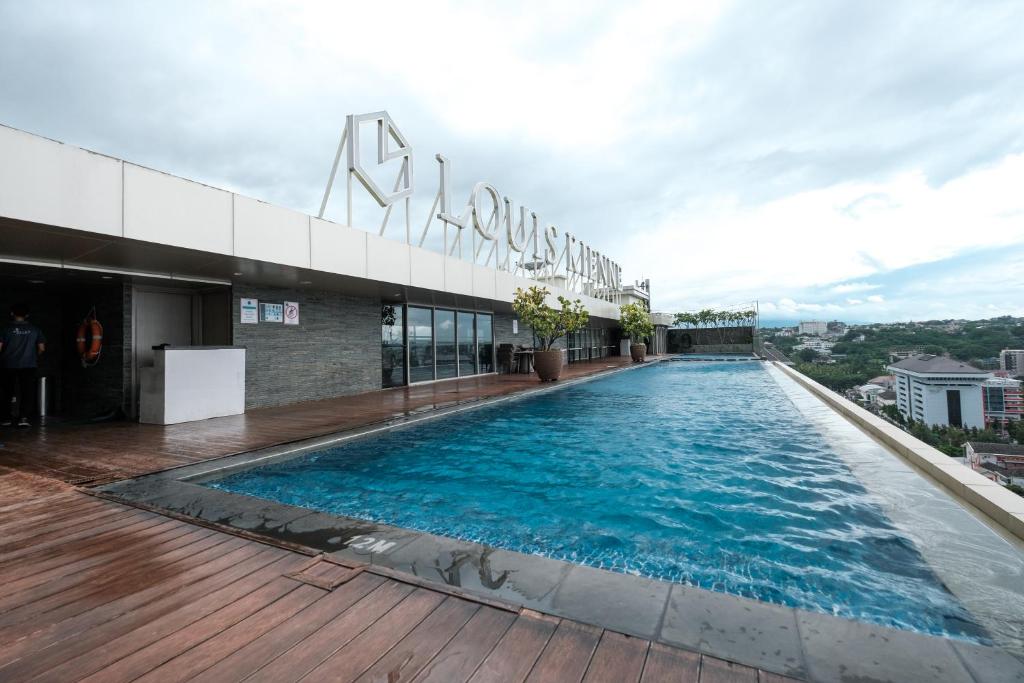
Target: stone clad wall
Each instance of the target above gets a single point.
(334, 351)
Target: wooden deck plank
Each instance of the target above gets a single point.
(144, 586)
(308, 653)
(83, 538)
(185, 652)
(403, 661)
(618, 659)
(145, 539)
(714, 670)
(144, 605)
(203, 655)
(567, 654)
(280, 639)
(122, 581)
(84, 523)
(32, 565)
(354, 659)
(100, 641)
(515, 654)
(668, 664)
(463, 654)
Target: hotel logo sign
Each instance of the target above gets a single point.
(501, 234)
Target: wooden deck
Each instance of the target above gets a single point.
(96, 591)
(97, 453)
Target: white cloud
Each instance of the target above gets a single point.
(876, 298)
(852, 287)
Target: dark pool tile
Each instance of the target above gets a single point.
(746, 631)
(349, 538)
(619, 602)
(844, 650)
(990, 665)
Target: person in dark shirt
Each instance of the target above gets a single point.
(21, 344)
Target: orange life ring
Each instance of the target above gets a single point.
(89, 340)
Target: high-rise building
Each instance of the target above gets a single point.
(1012, 360)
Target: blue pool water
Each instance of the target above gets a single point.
(700, 473)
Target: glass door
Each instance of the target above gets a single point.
(467, 344)
(445, 351)
(421, 344)
(392, 346)
(485, 342)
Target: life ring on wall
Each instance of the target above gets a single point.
(89, 340)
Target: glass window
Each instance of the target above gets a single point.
(421, 344)
(444, 335)
(485, 342)
(467, 345)
(392, 343)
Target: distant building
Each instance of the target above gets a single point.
(1003, 400)
(937, 390)
(1012, 360)
(886, 398)
(813, 327)
(903, 354)
(1000, 462)
(816, 344)
(887, 381)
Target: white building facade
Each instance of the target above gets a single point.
(940, 391)
(813, 327)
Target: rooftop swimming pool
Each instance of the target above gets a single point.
(711, 474)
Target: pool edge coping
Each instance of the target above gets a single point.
(964, 484)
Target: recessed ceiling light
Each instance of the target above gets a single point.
(107, 277)
(305, 282)
(236, 273)
(37, 282)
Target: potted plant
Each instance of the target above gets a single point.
(548, 324)
(636, 324)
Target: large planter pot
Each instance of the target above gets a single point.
(548, 365)
(638, 352)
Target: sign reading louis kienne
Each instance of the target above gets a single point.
(501, 234)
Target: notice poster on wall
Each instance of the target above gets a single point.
(515, 326)
(291, 313)
(250, 311)
(273, 313)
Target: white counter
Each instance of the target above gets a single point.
(188, 383)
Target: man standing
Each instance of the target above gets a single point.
(21, 344)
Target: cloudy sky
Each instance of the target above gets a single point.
(853, 160)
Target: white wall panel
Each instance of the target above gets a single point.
(484, 282)
(337, 248)
(168, 210)
(427, 269)
(265, 232)
(43, 181)
(504, 286)
(458, 276)
(387, 260)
